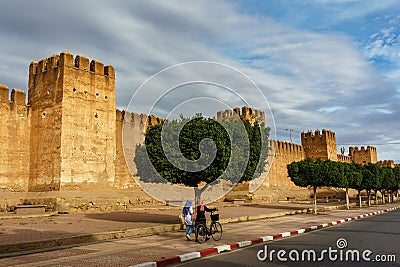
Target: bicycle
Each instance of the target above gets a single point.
(215, 230)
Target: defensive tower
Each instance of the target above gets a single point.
(319, 145)
(364, 155)
(250, 114)
(73, 127)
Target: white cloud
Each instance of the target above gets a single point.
(331, 109)
(308, 77)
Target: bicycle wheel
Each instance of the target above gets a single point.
(216, 230)
(201, 233)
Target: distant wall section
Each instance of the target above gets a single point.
(14, 140)
(277, 184)
(131, 128)
(246, 113)
(285, 153)
(364, 154)
(344, 158)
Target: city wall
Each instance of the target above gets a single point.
(68, 139)
(277, 185)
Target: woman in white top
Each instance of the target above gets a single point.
(187, 212)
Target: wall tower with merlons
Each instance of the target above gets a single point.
(73, 128)
(319, 145)
(250, 114)
(364, 154)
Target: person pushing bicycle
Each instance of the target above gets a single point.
(201, 210)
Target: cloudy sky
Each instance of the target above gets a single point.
(330, 64)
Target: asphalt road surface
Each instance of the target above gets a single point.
(372, 241)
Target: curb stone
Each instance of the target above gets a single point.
(13, 216)
(222, 248)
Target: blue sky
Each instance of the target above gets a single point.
(318, 63)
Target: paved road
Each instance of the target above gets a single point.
(378, 237)
(129, 251)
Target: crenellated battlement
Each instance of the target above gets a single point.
(153, 120)
(63, 75)
(344, 158)
(317, 133)
(355, 149)
(282, 145)
(141, 120)
(246, 113)
(4, 93)
(17, 96)
(131, 117)
(386, 163)
(66, 59)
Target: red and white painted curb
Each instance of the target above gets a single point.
(219, 249)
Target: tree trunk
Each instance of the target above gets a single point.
(369, 197)
(197, 195)
(389, 197)
(315, 200)
(347, 199)
(383, 196)
(359, 198)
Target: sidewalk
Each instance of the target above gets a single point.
(157, 226)
(20, 234)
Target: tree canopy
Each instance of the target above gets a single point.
(315, 174)
(190, 151)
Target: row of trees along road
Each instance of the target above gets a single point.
(181, 152)
(368, 177)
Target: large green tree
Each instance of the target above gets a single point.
(309, 173)
(190, 151)
(356, 179)
(343, 178)
(369, 181)
(396, 184)
(387, 182)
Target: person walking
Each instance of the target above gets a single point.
(187, 213)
